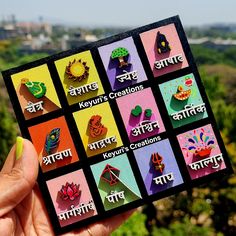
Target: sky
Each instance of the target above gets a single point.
(124, 13)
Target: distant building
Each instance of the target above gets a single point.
(31, 27)
(75, 41)
(9, 32)
(13, 29)
(90, 38)
(217, 43)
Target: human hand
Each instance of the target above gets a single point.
(22, 211)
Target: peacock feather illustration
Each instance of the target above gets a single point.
(37, 89)
(52, 140)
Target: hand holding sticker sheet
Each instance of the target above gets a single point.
(117, 123)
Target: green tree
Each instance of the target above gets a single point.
(133, 226)
(10, 57)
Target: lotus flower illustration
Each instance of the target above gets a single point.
(69, 191)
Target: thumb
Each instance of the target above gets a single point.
(18, 175)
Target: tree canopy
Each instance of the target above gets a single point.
(119, 52)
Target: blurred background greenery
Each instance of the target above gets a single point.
(207, 210)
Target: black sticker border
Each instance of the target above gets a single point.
(85, 163)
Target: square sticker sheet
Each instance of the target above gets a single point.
(117, 123)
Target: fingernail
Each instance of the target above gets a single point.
(19, 147)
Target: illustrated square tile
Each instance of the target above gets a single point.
(71, 198)
(35, 91)
(140, 115)
(97, 129)
(116, 183)
(122, 63)
(201, 151)
(183, 100)
(79, 77)
(53, 144)
(164, 50)
(158, 167)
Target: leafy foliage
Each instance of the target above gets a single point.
(185, 228)
(8, 130)
(207, 54)
(9, 57)
(211, 32)
(134, 226)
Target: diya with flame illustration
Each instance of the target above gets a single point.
(182, 94)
